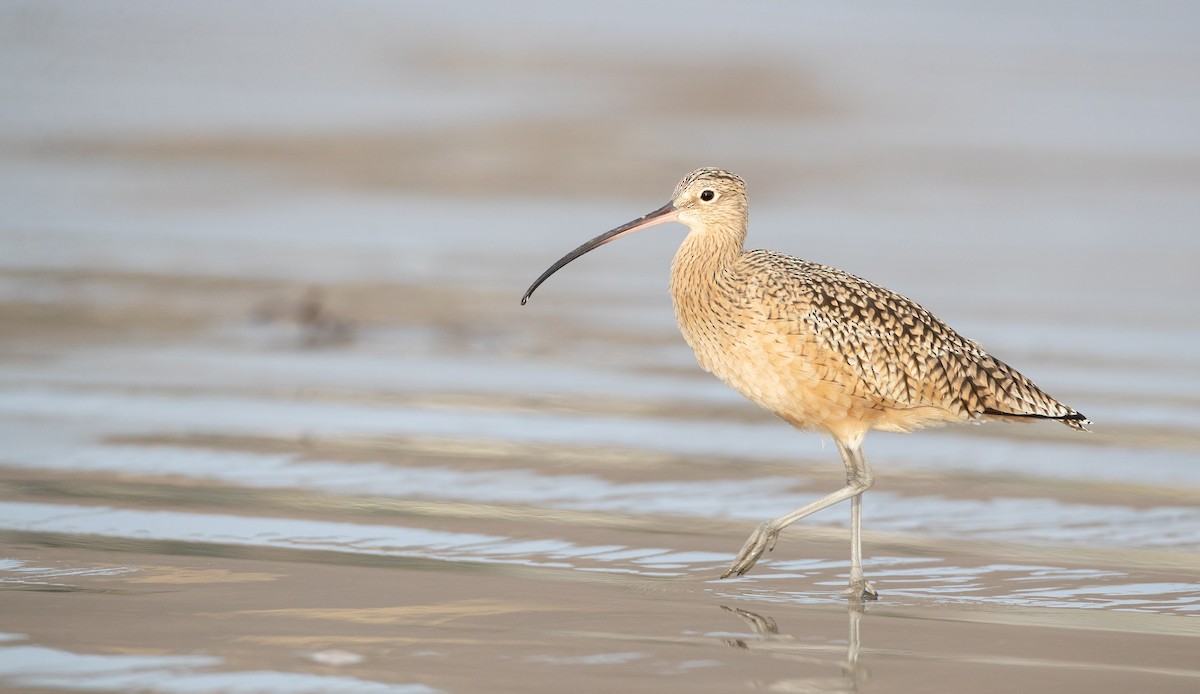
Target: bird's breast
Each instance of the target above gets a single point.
(759, 342)
(737, 335)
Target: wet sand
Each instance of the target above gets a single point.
(273, 419)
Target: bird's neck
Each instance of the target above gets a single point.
(701, 264)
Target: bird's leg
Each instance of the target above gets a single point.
(860, 588)
(858, 473)
(763, 538)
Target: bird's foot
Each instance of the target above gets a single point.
(760, 541)
(861, 590)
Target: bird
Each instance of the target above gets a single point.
(820, 348)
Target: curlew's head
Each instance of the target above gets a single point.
(710, 197)
(706, 199)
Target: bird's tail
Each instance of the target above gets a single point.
(1073, 419)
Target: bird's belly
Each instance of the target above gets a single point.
(796, 379)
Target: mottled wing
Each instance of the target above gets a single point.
(899, 354)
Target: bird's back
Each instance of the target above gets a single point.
(825, 349)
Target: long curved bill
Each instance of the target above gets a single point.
(666, 213)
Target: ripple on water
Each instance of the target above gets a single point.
(924, 581)
(1010, 519)
(905, 579)
(312, 535)
(105, 412)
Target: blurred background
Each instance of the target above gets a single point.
(253, 249)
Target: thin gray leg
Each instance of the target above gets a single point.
(858, 480)
(858, 473)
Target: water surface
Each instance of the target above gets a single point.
(274, 421)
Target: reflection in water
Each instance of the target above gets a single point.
(762, 626)
(769, 640)
(1047, 663)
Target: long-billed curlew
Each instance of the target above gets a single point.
(822, 349)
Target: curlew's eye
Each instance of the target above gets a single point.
(707, 196)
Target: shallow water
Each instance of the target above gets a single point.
(274, 421)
